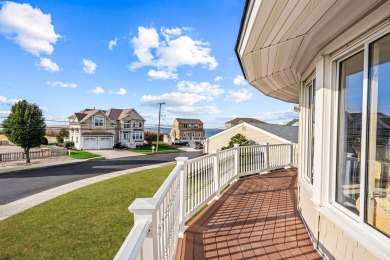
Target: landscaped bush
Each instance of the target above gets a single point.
(69, 144)
(152, 136)
(44, 141)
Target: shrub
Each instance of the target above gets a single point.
(152, 136)
(237, 139)
(44, 141)
(62, 134)
(69, 144)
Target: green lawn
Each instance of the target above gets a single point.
(88, 223)
(162, 148)
(82, 155)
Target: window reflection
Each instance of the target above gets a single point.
(349, 139)
(378, 148)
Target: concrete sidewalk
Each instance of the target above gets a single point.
(15, 207)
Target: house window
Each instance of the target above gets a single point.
(133, 123)
(185, 125)
(349, 143)
(140, 124)
(377, 201)
(127, 124)
(199, 135)
(98, 121)
(311, 90)
(77, 139)
(363, 166)
(196, 126)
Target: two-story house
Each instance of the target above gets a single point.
(92, 129)
(184, 128)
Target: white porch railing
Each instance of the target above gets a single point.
(160, 221)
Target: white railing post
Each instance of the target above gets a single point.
(291, 155)
(266, 158)
(237, 170)
(216, 175)
(183, 190)
(144, 209)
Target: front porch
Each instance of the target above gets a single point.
(255, 218)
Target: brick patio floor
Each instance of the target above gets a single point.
(256, 218)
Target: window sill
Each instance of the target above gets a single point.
(374, 241)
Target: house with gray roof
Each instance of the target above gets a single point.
(256, 133)
(94, 129)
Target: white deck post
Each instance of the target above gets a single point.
(266, 158)
(236, 161)
(144, 209)
(291, 155)
(183, 191)
(216, 177)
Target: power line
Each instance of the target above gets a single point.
(159, 118)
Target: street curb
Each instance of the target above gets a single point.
(18, 206)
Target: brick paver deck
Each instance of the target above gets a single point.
(256, 218)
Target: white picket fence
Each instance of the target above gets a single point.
(160, 221)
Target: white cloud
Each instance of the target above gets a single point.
(28, 27)
(174, 99)
(48, 65)
(194, 110)
(44, 109)
(276, 117)
(9, 102)
(162, 74)
(199, 88)
(97, 90)
(240, 80)
(89, 66)
(147, 39)
(112, 44)
(61, 84)
(120, 92)
(218, 78)
(239, 95)
(4, 113)
(170, 52)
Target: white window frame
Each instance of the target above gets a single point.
(309, 130)
(94, 121)
(374, 239)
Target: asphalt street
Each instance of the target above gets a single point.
(18, 185)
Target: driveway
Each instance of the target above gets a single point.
(18, 185)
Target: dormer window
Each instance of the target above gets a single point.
(98, 121)
(140, 124)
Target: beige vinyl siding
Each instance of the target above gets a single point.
(222, 139)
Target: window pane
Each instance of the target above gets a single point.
(311, 124)
(349, 139)
(378, 148)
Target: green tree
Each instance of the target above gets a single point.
(63, 133)
(25, 126)
(237, 139)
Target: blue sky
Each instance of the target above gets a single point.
(69, 55)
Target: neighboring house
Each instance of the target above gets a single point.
(187, 129)
(92, 129)
(333, 56)
(239, 120)
(294, 122)
(256, 133)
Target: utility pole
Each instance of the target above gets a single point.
(158, 129)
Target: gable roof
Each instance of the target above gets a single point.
(280, 132)
(249, 120)
(189, 120)
(292, 122)
(289, 133)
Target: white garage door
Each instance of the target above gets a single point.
(105, 143)
(90, 143)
